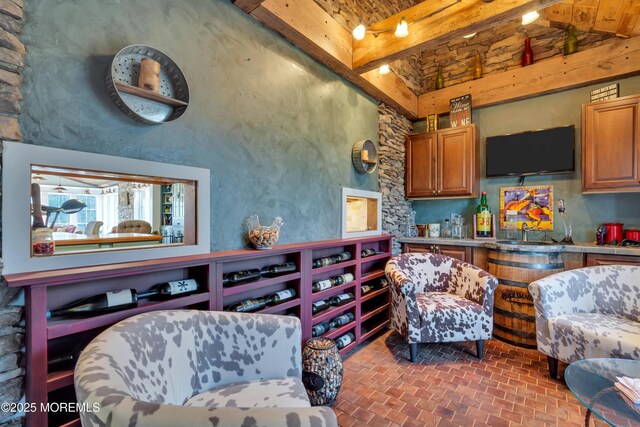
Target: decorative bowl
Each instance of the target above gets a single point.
(262, 236)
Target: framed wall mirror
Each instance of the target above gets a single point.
(64, 208)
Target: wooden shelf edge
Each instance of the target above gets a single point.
(332, 267)
(72, 423)
(73, 326)
(333, 334)
(365, 336)
(372, 313)
(332, 312)
(59, 379)
(375, 257)
(234, 290)
(334, 290)
(371, 276)
(152, 96)
(279, 307)
(374, 294)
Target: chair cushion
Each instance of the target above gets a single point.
(281, 392)
(447, 317)
(586, 335)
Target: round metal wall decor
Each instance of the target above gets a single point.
(168, 104)
(369, 163)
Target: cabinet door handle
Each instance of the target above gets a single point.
(435, 192)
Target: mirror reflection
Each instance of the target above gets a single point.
(77, 210)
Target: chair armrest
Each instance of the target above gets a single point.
(147, 414)
(473, 283)
(562, 293)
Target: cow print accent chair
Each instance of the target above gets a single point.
(588, 313)
(197, 368)
(436, 298)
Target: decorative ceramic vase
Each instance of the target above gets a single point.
(439, 78)
(321, 371)
(527, 55)
(570, 41)
(263, 237)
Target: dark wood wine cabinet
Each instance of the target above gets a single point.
(49, 338)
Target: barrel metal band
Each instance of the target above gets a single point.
(517, 344)
(513, 332)
(506, 282)
(507, 251)
(516, 315)
(532, 266)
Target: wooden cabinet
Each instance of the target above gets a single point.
(463, 253)
(611, 145)
(442, 163)
(605, 259)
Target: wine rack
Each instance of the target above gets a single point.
(49, 338)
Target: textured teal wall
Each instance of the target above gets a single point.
(564, 108)
(274, 126)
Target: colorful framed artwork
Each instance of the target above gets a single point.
(533, 204)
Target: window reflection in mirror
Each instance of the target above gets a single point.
(79, 210)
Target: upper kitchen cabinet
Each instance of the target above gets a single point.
(611, 145)
(442, 163)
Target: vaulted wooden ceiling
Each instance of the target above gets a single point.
(322, 28)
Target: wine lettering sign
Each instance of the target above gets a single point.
(460, 111)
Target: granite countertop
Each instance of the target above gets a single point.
(579, 247)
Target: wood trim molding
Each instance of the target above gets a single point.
(468, 16)
(247, 5)
(608, 61)
(307, 26)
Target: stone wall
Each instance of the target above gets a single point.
(500, 49)
(12, 54)
(392, 130)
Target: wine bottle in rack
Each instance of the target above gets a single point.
(367, 253)
(240, 277)
(345, 340)
(98, 304)
(342, 320)
(366, 289)
(320, 329)
(321, 285)
(341, 299)
(248, 305)
(319, 306)
(344, 278)
(67, 359)
(330, 260)
(171, 289)
(281, 296)
(279, 269)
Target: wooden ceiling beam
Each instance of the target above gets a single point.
(465, 17)
(247, 5)
(603, 63)
(309, 27)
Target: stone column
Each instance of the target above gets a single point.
(392, 131)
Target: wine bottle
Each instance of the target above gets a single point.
(365, 289)
(98, 304)
(320, 329)
(279, 269)
(341, 257)
(321, 285)
(342, 320)
(344, 278)
(170, 289)
(483, 217)
(319, 306)
(367, 253)
(281, 296)
(383, 283)
(58, 363)
(345, 340)
(341, 299)
(240, 277)
(248, 305)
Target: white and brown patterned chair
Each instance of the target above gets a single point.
(197, 368)
(588, 313)
(436, 298)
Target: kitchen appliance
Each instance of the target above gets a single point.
(632, 235)
(614, 232)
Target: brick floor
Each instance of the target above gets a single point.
(447, 386)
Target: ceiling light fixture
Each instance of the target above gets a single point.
(59, 188)
(528, 18)
(402, 29)
(384, 69)
(359, 31)
(468, 36)
(37, 177)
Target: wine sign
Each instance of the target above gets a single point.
(460, 111)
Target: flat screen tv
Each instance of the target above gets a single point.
(547, 151)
